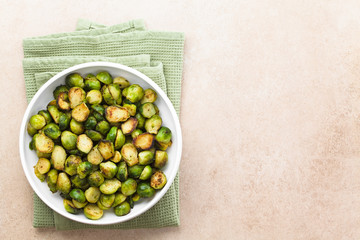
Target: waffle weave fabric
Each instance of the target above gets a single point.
(159, 55)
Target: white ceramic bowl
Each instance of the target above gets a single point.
(45, 95)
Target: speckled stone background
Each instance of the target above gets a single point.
(270, 115)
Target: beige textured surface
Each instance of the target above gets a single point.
(270, 115)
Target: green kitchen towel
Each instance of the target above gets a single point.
(158, 55)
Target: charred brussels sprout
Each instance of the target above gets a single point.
(136, 133)
(158, 180)
(117, 157)
(78, 195)
(147, 110)
(94, 156)
(161, 158)
(62, 101)
(63, 183)
(129, 153)
(108, 169)
(84, 169)
(76, 127)
(84, 143)
(37, 121)
(43, 165)
(74, 80)
(92, 194)
(76, 96)
(122, 82)
(128, 187)
(149, 96)
(79, 182)
(129, 125)
(116, 114)
(80, 113)
(60, 89)
(145, 190)
(110, 186)
(122, 209)
(134, 93)
(70, 207)
(146, 157)
(106, 149)
(122, 173)
(71, 164)
(58, 157)
(68, 140)
(153, 124)
(54, 112)
(95, 179)
(102, 127)
(43, 143)
(94, 97)
(52, 131)
(46, 115)
(93, 212)
(90, 123)
(164, 135)
(144, 141)
(104, 77)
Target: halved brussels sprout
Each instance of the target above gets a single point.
(102, 127)
(134, 93)
(129, 125)
(98, 108)
(79, 182)
(76, 127)
(131, 108)
(119, 198)
(107, 200)
(30, 129)
(135, 197)
(129, 153)
(122, 173)
(135, 171)
(46, 115)
(94, 156)
(120, 139)
(95, 179)
(76, 96)
(158, 180)
(92, 194)
(141, 120)
(71, 164)
(122, 82)
(106, 149)
(93, 212)
(42, 155)
(43, 165)
(145, 190)
(98, 116)
(90, 123)
(136, 133)
(43, 143)
(94, 97)
(70, 207)
(64, 121)
(144, 141)
(117, 157)
(84, 169)
(146, 173)
(59, 89)
(92, 83)
(104, 77)
(110, 186)
(161, 158)
(146, 157)
(128, 187)
(116, 114)
(58, 157)
(112, 134)
(94, 135)
(80, 113)
(84, 143)
(79, 204)
(63, 183)
(62, 101)
(78, 195)
(37, 121)
(164, 135)
(147, 110)
(68, 140)
(40, 176)
(52, 131)
(74, 80)
(52, 103)
(149, 96)
(153, 124)
(122, 209)
(54, 112)
(163, 146)
(51, 180)
(111, 94)
(108, 169)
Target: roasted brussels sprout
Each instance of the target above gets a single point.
(108, 169)
(134, 93)
(130, 154)
(71, 164)
(46, 115)
(79, 182)
(153, 124)
(93, 212)
(131, 108)
(94, 156)
(91, 83)
(112, 134)
(76, 127)
(111, 94)
(90, 123)
(163, 146)
(84, 169)
(78, 195)
(106, 149)
(64, 121)
(147, 110)
(74, 80)
(136, 133)
(117, 157)
(52, 131)
(149, 96)
(144, 141)
(122, 173)
(158, 180)
(79, 204)
(98, 116)
(116, 114)
(145, 190)
(68, 140)
(84, 143)
(70, 207)
(63, 183)
(98, 108)
(95, 179)
(119, 140)
(43, 165)
(37, 121)
(107, 200)
(146, 173)
(60, 89)
(62, 101)
(92, 194)
(54, 112)
(110, 186)
(119, 198)
(122, 209)
(58, 157)
(104, 77)
(129, 125)
(122, 82)
(43, 143)
(102, 127)
(128, 187)
(80, 113)
(161, 158)
(135, 197)
(31, 130)
(146, 157)
(141, 120)
(51, 180)
(135, 171)
(94, 135)
(164, 135)
(94, 97)
(76, 96)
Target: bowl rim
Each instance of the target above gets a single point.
(168, 103)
